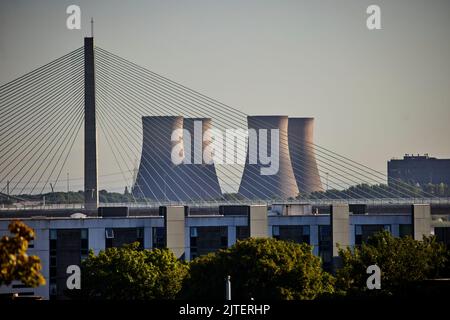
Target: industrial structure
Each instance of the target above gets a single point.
(301, 148)
(159, 178)
(199, 177)
(281, 185)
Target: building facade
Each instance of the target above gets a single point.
(420, 170)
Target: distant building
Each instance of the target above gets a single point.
(417, 169)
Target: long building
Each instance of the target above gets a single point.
(190, 232)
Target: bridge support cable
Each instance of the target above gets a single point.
(357, 169)
(22, 140)
(29, 80)
(170, 175)
(113, 147)
(29, 102)
(41, 116)
(153, 90)
(129, 110)
(165, 106)
(141, 82)
(30, 107)
(45, 150)
(135, 104)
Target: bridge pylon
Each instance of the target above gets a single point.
(90, 129)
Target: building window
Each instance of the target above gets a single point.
(224, 237)
(306, 236)
(117, 237)
(204, 240)
(159, 237)
(276, 232)
(242, 232)
(405, 230)
(53, 291)
(109, 233)
(67, 247)
(358, 234)
(364, 231)
(295, 233)
(84, 248)
(53, 234)
(442, 235)
(325, 250)
(109, 236)
(193, 242)
(140, 237)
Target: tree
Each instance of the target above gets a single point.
(15, 264)
(131, 274)
(403, 261)
(261, 269)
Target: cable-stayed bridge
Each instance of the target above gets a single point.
(84, 110)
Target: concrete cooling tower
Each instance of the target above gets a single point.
(281, 185)
(156, 178)
(300, 134)
(159, 178)
(201, 178)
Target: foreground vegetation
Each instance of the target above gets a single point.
(15, 263)
(260, 268)
(404, 262)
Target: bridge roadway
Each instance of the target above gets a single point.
(439, 206)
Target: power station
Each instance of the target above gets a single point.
(281, 185)
(301, 148)
(199, 177)
(160, 179)
(157, 178)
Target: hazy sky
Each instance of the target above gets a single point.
(374, 94)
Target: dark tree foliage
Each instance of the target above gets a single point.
(15, 263)
(128, 273)
(260, 269)
(403, 262)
